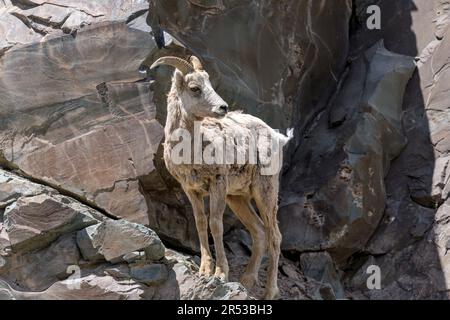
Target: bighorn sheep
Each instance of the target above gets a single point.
(195, 107)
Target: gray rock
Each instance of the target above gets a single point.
(230, 291)
(13, 187)
(154, 251)
(120, 271)
(215, 289)
(441, 179)
(2, 264)
(409, 245)
(335, 196)
(34, 222)
(150, 274)
(404, 222)
(90, 287)
(94, 69)
(34, 215)
(84, 242)
(37, 270)
(115, 238)
(320, 267)
(37, 20)
(133, 256)
(5, 291)
(5, 245)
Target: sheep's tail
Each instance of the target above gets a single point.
(286, 138)
(290, 133)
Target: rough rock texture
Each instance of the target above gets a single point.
(320, 267)
(410, 244)
(37, 221)
(366, 179)
(335, 198)
(33, 215)
(150, 274)
(75, 113)
(87, 118)
(52, 260)
(113, 239)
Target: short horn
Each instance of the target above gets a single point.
(182, 65)
(196, 63)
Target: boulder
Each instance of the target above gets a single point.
(320, 267)
(2, 264)
(150, 274)
(335, 196)
(215, 289)
(5, 245)
(38, 270)
(134, 256)
(193, 287)
(85, 243)
(34, 215)
(34, 222)
(6, 291)
(136, 282)
(32, 21)
(86, 288)
(113, 239)
(13, 187)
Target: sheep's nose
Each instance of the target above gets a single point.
(223, 108)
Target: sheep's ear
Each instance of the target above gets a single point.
(178, 78)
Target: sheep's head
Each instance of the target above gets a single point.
(198, 98)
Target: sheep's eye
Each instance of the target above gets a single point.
(195, 89)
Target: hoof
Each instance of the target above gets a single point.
(206, 269)
(220, 274)
(249, 281)
(273, 294)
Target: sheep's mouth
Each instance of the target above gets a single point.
(220, 113)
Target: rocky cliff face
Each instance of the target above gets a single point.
(365, 181)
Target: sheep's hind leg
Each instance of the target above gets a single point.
(217, 208)
(201, 221)
(266, 197)
(243, 209)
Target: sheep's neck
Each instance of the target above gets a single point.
(176, 119)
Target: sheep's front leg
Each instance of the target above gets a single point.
(201, 221)
(217, 208)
